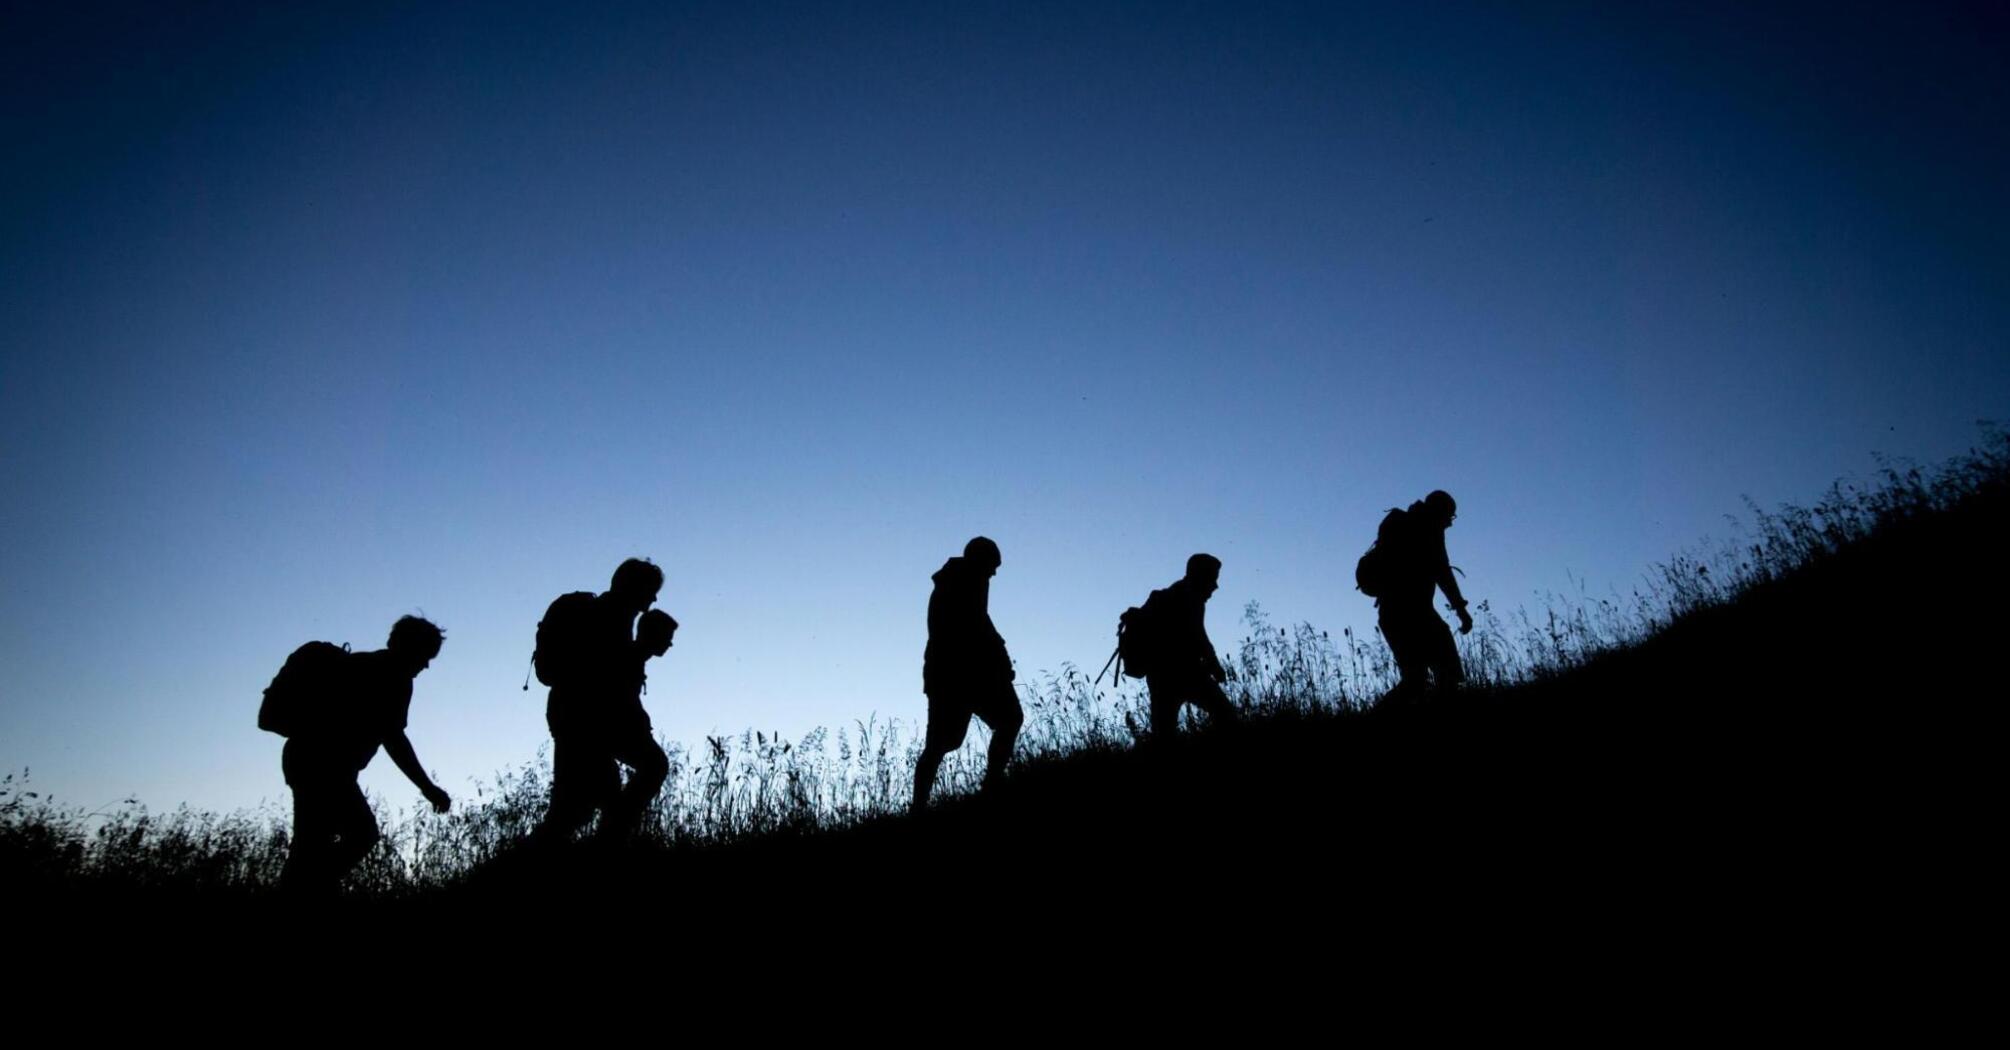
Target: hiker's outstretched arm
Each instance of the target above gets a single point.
(399, 747)
(1448, 582)
(1213, 662)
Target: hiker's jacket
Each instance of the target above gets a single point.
(1180, 614)
(625, 713)
(963, 647)
(1420, 564)
(607, 672)
(375, 702)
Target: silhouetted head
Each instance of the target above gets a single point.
(983, 554)
(415, 642)
(636, 584)
(655, 631)
(1441, 508)
(1203, 572)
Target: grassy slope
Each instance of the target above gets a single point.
(1782, 793)
(1766, 767)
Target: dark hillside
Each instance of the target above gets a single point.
(1806, 746)
(1788, 762)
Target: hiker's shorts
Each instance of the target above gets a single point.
(1170, 693)
(1422, 643)
(949, 711)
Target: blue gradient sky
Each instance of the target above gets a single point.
(310, 320)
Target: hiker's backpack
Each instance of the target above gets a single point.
(1378, 569)
(1137, 642)
(304, 692)
(560, 657)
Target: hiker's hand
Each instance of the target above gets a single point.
(1465, 621)
(438, 798)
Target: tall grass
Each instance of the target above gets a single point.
(730, 788)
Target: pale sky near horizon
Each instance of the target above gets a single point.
(311, 319)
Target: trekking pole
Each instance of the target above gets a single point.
(1111, 662)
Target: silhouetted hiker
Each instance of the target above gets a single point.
(1401, 571)
(630, 737)
(588, 654)
(965, 670)
(336, 708)
(1183, 667)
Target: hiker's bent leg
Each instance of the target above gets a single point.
(580, 770)
(564, 814)
(948, 721)
(356, 829)
(1167, 697)
(648, 766)
(313, 839)
(1413, 667)
(1207, 696)
(1004, 715)
(925, 767)
(1447, 672)
(321, 813)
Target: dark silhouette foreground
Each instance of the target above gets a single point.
(1780, 779)
(965, 670)
(1782, 764)
(335, 714)
(1183, 667)
(1405, 568)
(590, 656)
